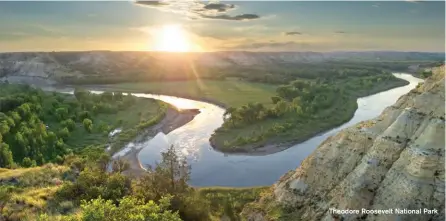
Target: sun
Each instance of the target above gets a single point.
(172, 38)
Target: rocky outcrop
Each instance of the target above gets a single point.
(394, 161)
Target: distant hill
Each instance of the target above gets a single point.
(52, 67)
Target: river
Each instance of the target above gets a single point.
(213, 168)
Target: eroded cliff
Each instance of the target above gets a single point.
(393, 161)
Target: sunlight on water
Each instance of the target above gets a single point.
(179, 103)
(210, 167)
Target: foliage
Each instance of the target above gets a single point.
(88, 125)
(129, 208)
(230, 201)
(300, 109)
(37, 127)
(84, 190)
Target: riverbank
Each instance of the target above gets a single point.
(173, 119)
(223, 93)
(263, 137)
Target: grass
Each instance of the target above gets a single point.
(229, 202)
(230, 92)
(142, 110)
(32, 176)
(31, 191)
(247, 138)
(226, 139)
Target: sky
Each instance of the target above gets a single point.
(230, 26)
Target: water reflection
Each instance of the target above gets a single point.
(210, 168)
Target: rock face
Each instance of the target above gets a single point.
(394, 161)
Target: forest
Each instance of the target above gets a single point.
(38, 127)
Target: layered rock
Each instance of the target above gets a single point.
(393, 161)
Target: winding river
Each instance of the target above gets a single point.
(212, 168)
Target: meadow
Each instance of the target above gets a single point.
(230, 93)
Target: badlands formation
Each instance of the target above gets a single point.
(395, 161)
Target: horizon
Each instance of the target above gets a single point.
(245, 51)
(224, 26)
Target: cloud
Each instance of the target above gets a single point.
(340, 32)
(152, 3)
(375, 5)
(198, 10)
(289, 33)
(233, 18)
(221, 7)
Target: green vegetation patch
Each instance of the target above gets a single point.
(82, 189)
(300, 110)
(232, 92)
(229, 202)
(38, 127)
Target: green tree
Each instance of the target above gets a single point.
(275, 99)
(64, 133)
(88, 125)
(107, 96)
(4, 127)
(129, 209)
(5, 154)
(27, 162)
(81, 94)
(70, 124)
(61, 113)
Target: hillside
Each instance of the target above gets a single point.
(393, 161)
(44, 68)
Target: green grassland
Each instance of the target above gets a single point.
(231, 92)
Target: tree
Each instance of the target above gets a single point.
(5, 154)
(61, 113)
(118, 96)
(24, 110)
(81, 94)
(83, 115)
(229, 111)
(70, 124)
(120, 165)
(64, 133)
(281, 108)
(4, 127)
(27, 162)
(170, 176)
(88, 124)
(275, 99)
(129, 209)
(107, 96)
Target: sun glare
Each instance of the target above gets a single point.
(172, 38)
